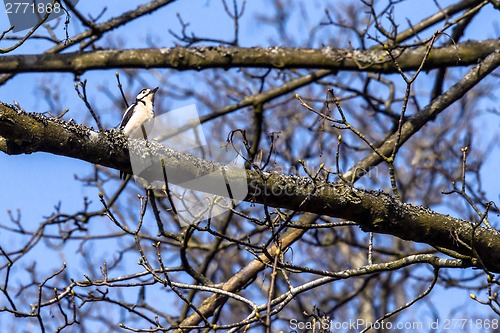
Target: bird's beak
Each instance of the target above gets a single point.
(155, 90)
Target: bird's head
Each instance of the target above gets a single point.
(146, 95)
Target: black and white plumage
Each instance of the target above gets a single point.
(138, 113)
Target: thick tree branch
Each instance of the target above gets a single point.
(374, 60)
(374, 211)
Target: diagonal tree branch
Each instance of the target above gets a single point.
(429, 113)
(374, 60)
(374, 211)
(433, 19)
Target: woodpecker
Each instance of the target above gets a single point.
(138, 113)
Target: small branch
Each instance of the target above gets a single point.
(120, 87)
(83, 97)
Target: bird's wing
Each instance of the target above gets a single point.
(127, 115)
